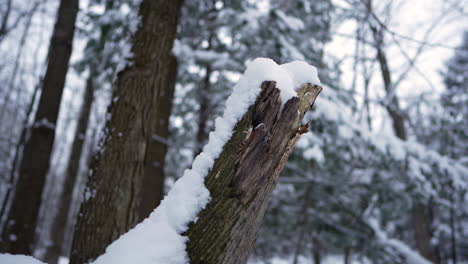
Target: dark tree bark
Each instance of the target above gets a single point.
(316, 252)
(303, 225)
(420, 221)
(19, 230)
(60, 222)
(203, 112)
(205, 109)
(153, 180)
(347, 255)
(18, 150)
(244, 176)
(59, 225)
(453, 232)
(115, 182)
(6, 23)
(423, 234)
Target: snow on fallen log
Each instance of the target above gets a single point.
(239, 167)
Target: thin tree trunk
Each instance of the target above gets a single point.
(19, 230)
(316, 252)
(18, 151)
(153, 179)
(78, 193)
(204, 111)
(303, 224)
(453, 233)
(55, 249)
(4, 21)
(204, 91)
(423, 235)
(347, 255)
(60, 225)
(244, 175)
(420, 221)
(115, 181)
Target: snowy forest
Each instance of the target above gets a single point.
(234, 131)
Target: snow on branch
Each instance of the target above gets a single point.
(411, 256)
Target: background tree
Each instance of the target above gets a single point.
(449, 112)
(125, 145)
(57, 247)
(19, 230)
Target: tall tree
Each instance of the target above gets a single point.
(125, 147)
(455, 102)
(19, 230)
(154, 174)
(419, 213)
(59, 224)
(446, 131)
(454, 142)
(57, 247)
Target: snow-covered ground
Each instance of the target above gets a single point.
(331, 259)
(21, 259)
(18, 259)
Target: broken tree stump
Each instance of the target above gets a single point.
(244, 175)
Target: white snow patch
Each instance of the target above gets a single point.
(44, 123)
(412, 257)
(301, 72)
(18, 259)
(292, 22)
(158, 239)
(124, 59)
(314, 153)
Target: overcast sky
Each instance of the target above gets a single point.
(411, 19)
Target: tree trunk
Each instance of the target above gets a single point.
(55, 250)
(19, 230)
(244, 176)
(347, 255)
(423, 233)
(421, 223)
(18, 151)
(303, 224)
(153, 179)
(115, 181)
(453, 232)
(60, 226)
(78, 192)
(204, 112)
(316, 251)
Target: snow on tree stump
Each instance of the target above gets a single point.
(244, 175)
